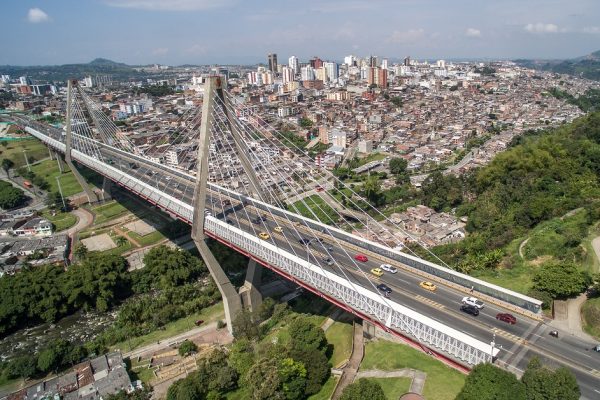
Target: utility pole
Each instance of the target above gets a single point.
(61, 194)
(26, 160)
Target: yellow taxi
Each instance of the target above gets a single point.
(428, 286)
(264, 235)
(278, 229)
(377, 271)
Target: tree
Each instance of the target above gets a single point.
(293, 378)
(372, 190)
(241, 356)
(397, 101)
(7, 164)
(488, 382)
(541, 383)
(245, 327)
(187, 347)
(317, 366)
(10, 196)
(47, 360)
(363, 389)
(265, 311)
(217, 374)
(186, 389)
(561, 280)
(22, 366)
(55, 200)
(80, 250)
(306, 123)
(306, 336)
(264, 380)
(398, 165)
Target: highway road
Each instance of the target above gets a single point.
(518, 343)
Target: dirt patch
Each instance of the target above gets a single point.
(99, 242)
(140, 227)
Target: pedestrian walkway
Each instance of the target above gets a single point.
(350, 370)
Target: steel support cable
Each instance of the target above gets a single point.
(82, 129)
(310, 252)
(90, 106)
(330, 175)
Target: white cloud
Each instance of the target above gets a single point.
(161, 51)
(35, 16)
(541, 28)
(592, 29)
(170, 5)
(411, 35)
(472, 32)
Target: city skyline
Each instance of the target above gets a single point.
(235, 32)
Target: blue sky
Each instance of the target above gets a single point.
(244, 31)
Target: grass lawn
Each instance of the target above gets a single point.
(393, 387)
(340, 336)
(591, 262)
(590, 313)
(148, 239)
(443, 382)
(61, 220)
(519, 278)
(240, 394)
(108, 211)
(323, 212)
(34, 149)
(371, 157)
(327, 389)
(48, 170)
(209, 314)
(10, 385)
(119, 249)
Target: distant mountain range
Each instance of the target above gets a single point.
(54, 73)
(586, 67)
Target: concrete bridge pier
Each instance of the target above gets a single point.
(59, 161)
(107, 185)
(249, 292)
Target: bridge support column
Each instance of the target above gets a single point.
(231, 298)
(106, 189)
(369, 329)
(92, 198)
(250, 292)
(59, 161)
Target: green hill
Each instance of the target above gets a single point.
(585, 67)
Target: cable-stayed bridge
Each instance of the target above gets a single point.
(236, 187)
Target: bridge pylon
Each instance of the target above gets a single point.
(231, 299)
(92, 198)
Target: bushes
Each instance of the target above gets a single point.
(10, 196)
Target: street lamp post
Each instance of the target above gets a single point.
(61, 194)
(493, 344)
(26, 160)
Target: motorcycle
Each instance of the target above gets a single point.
(553, 333)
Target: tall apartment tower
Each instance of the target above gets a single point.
(272, 58)
(407, 61)
(294, 64)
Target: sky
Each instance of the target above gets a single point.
(175, 32)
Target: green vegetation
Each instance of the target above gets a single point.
(10, 196)
(34, 149)
(339, 335)
(393, 388)
(147, 240)
(186, 348)
(291, 140)
(397, 101)
(443, 382)
(108, 211)
(48, 171)
(326, 391)
(60, 220)
(316, 208)
(541, 177)
(156, 90)
(306, 123)
(590, 313)
(588, 101)
(363, 389)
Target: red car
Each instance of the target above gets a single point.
(320, 189)
(361, 258)
(199, 322)
(508, 318)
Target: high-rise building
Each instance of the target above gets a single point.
(287, 74)
(316, 62)
(25, 80)
(407, 61)
(382, 77)
(373, 61)
(384, 63)
(372, 75)
(441, 64)
(331, 69)
(350, 61)
(307, 73)
(272, 59)
(294, 64)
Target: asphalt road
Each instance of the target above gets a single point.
(518, 343)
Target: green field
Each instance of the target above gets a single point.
(393, 387)
(209, 314)
(443, 382)
(327, 389)
(590, 313)
(34, 149)
(48, 170)
(315, 204)
(61, 220)
(108, 211)
(146, 240)
(339, 335)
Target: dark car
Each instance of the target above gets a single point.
(226, 202)
(256, 221)
(596, 348)
(382, 287)
(263, 218)
(230, 222)
(470, 309)
(328, 261)
(505, 317)
(199, 322)
(304, 241)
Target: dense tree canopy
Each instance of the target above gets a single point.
(488, 382)
(561, 280)
(363, 389)
(542, 383)
(10, 196)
